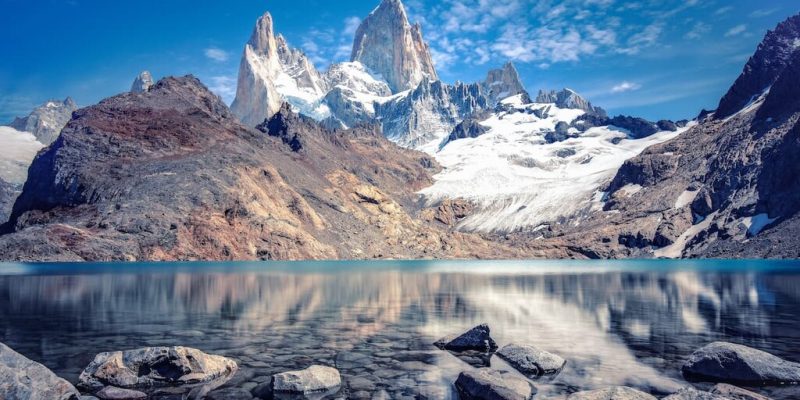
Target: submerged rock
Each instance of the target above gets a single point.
(316, 378)
(115, 393)
(694, 394)
(734, 363)
(21, 378)
(477, 338)
(154, 367)
(487, 384)
(736, 393)
(531, 361)
(612, 393)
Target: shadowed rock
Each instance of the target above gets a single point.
(736, 393)
(477, 338)
(612, 393)
(487, 384)
(694, 394)
(735, 363)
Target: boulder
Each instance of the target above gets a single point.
(115, 393)
(735, 363)
(736, 393)
(155, 367)
(693, 394)
(477, 338)
(487, 384)
(531, 361)
(21, 378)
(612, 393)
(316, 378)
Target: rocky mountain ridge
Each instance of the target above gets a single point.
(45, 122)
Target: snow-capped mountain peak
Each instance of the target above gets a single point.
(504, 82)
(568, 98)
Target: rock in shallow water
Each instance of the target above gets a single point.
(154, 367)
(736, 393)
(531, 361)
(734, 363)
(693, 394)
(612, 393)
(21, 378)
(115, 393)
(316, 378)
(487, 384)
(477, 338)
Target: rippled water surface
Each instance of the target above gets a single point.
(617, 323)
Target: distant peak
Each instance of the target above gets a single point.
(142, 83)
(263, 39)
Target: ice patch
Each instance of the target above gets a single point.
(757, 223)
(630, 190)
(686, 198)
(676, 249)
(19, 149)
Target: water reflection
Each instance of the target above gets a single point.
(614, 327)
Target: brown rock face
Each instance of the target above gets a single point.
(170, 174)
(388, 45)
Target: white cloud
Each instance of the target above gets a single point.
(646, 38)
(736, 30)
(216, 54)
(698, 30)
(625, 87)
(350, 26)
(763, 13)
(224, 87)
(723, 10)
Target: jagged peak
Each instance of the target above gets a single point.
(263, 38)
(142, 83)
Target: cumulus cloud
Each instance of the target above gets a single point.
(216, 54)
(625, 86)
(224, 87)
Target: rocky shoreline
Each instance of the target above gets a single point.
(166, 373)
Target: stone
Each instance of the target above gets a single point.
(155, 366)
(312, 379)
(115, 393)
(612, 393)
(263, 390)
(477, 338)
(21, 378)
(736, 393)
(229, 394)
(735, 363)
(487, 384)
(694, 394)
(531, 361)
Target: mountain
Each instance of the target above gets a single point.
(142, 83)
(568, 98)
(388, 45)
(170, 174)
(271, 73)
(763, 68)
(503, 83)
(8, 194)
(727, 187)
(45, 122)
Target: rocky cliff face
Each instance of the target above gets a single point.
(45, 122)
(8, 193)
(388, 45)
(728, 187)
(763, 68)
(272, 73)
(171, 174)
(142, 83)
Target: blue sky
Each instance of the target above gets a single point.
(650, 58)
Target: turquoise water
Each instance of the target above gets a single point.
(616, 322)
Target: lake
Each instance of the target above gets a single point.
(616, 322)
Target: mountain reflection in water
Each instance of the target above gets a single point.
(615, 326)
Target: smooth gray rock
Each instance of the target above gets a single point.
(155, 366)
(487, 384)
(736, 393)
(142, 83)
(612, 393)
(21, 378)
(477, 338)
(694, 394)
(530, 360)
(734, 363)
(115, 393)
(312, 379)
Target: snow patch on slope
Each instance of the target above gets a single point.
(519, 181)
